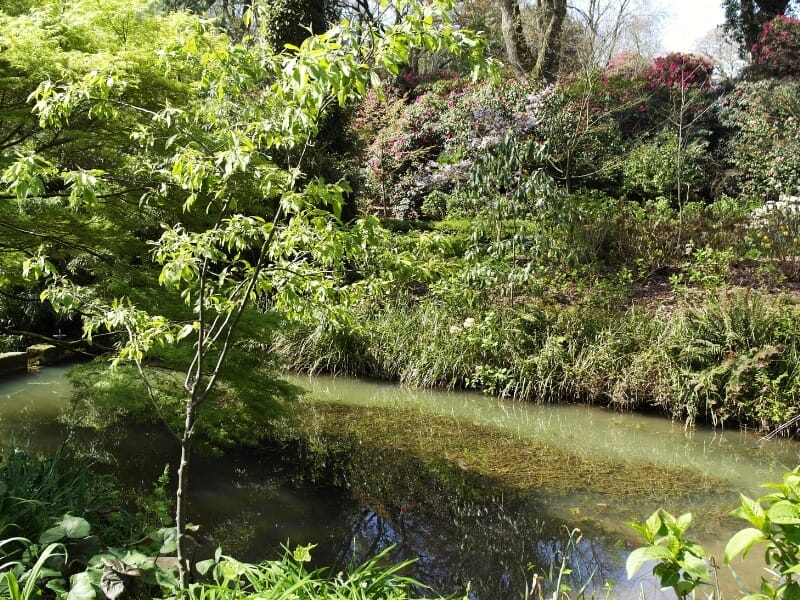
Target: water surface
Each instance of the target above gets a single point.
(444, 477)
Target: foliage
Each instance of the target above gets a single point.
(777, 51)
(230, 578)
(291, 21)
(429, 141)
(279, 242)
(684, 565)
(744, 20)
(35, 491)
(680, 70)
(774, 233)
(775, 520)
(735, 356)
(652, 169)
(765, 119)
(681, 563)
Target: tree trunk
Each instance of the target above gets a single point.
(518, 52)
(552, 14)
(181, 494)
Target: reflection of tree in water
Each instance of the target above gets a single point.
(462, 528)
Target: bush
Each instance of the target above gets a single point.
(764, 150)
(777, 51)
(658, 168)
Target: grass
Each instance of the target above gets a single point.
(620, 315)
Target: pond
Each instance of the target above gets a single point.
(485, 494)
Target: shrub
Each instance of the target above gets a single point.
(764, 150)
(777, 51)
(657, 168)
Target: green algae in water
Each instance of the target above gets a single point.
(586, 487)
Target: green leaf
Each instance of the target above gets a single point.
(638, 557)
(683, 522)
(81, 587)
(751, 511)
(695, 566)
(204, 566)
(791, 591)
(741, 543)
(784, 512)
(653, 525)
(75, 527)
(54, 534)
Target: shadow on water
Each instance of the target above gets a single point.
(485, 495)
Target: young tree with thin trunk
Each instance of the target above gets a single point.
(250, 116)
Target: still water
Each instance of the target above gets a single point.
(483, 493)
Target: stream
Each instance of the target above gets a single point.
(484, 494)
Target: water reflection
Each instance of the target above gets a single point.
(453, 511)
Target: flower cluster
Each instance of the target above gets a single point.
(430, 143)
(777, 52)
(679, 70)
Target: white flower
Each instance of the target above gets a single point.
(454, 329)
(469, 322)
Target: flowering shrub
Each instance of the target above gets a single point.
(765, 149)
(777, 51)
(429, 141)
(678, 70)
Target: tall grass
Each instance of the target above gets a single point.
(732, 358)
(287, 578)
(35, 492)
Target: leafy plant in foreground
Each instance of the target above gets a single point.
(681, 563)
(775, 520)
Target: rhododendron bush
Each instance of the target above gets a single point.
(644, 129)
(777, 51)
(427, 139)
(765, 150)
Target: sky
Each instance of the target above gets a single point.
(688, 20)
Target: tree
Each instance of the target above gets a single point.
(518, 53)
(249, 112)
(744, 19)
(609, 27)
(720, 50)
(75, 39)
(540, 60)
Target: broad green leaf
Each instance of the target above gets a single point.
(683, 522)
(741, 543)
(81, 587)
(75, 527)
(638, 557)
(695, 566)
(54, 534)
(204, 566)
(653, 524)
(791, 591)
(784, 512)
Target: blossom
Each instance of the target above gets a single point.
(469, 322)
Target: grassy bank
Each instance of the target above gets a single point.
(690, 311)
